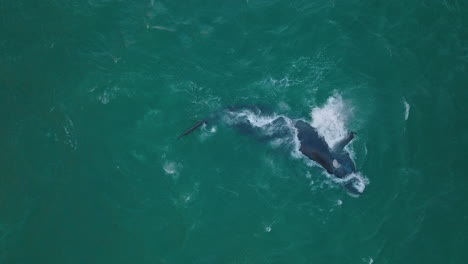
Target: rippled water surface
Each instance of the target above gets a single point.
(94, 93)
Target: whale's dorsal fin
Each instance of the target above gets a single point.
(345, 141)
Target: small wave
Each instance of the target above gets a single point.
(69, 129)
(66, 133)
(187, 197)
(282, 83)
(172, 168)
(407, 108)
(108, 94)
(267, 227)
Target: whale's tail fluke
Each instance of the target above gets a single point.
(190, 130)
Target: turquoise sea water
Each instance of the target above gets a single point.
(93, 94)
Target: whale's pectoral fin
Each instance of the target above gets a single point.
(345, 141)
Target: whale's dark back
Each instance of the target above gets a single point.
(307, 135)
(313, 145)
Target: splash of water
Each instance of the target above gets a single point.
(330, 119)
(330, 122)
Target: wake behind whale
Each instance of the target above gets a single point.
(321, 143)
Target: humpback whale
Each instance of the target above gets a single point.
(334, 159)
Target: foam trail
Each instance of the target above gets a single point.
(266, 123)
(256, 120)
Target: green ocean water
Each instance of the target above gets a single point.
(93, 94)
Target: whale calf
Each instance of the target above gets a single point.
(334, 159)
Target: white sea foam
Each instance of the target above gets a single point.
(108, 94)
(359, 181)
(268, 127)
(407, 108)
(69, 133)
(170, 167)
(258, 120)
(268, 226)
(330, 119)
(207, 132)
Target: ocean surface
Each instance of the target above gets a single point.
(94, 93)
